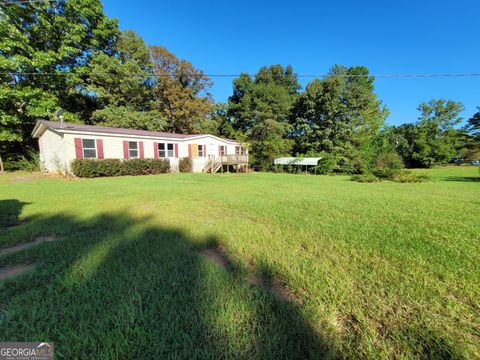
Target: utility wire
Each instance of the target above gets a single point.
(251, 75)
(25, 2)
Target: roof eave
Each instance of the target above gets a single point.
(39, 127)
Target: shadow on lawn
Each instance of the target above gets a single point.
(119, 288)
(463, 178)
(10, 211)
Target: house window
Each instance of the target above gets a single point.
(201, 151)
(89, 149)
(166, 150)
(170, 151)
(132, 149)
(239, 150)
(161, 150)
(223, 150)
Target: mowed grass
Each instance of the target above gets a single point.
(381, 270)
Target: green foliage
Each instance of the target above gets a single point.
(181, 92)
(96, 168)
(473, 125)
(127, 118)
(185, 165)
(338, 115)
(110, 78)
(114, 167)
(406, 176)
(91, 63)
(401, 176)
(58, 37)
(388, 165)
(433, 139)
(327, 165)
(260, 109)
(365, 178)
(126, 101)
(30, 161)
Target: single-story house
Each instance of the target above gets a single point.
(61, 142)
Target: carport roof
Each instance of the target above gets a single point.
(297, 161)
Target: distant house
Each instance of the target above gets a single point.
(61, 143)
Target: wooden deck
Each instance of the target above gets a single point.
(236, 161)
(233, 159)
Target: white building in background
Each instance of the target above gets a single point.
(61, 143)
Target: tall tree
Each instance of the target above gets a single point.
(45, 51)
(436, 138)
(473, 125)
(260, 109)
(122, 85)
(181, 92)
(340, 115)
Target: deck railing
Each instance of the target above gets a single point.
(234, 159)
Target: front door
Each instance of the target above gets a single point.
(194, 151)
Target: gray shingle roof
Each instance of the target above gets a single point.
(112, 130)
(121, 131)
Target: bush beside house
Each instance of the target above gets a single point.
(114, 167)
(185, 165)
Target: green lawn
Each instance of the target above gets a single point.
(371, 270)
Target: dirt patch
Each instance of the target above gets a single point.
(27, 177)
(36, 241)
(216, 255)
(352, 323)
(10, 271)
(275, 287)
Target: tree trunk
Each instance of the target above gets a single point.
(1, 164)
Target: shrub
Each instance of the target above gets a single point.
(406, 176)
(327, 164)
(28, 162)
(185, 165)
(365, 178)
(108, 167)
(387, 166)
(403, 176)
(114, 167)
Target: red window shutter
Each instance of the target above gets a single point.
(205, 150)
(78, 148)
(125, 149)
(190, 151)
(155, 150)
(176, 150)
(142, 153)
(100, 149)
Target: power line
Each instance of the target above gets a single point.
(251, 75)
(25, 2)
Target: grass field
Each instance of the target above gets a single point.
(311, 266)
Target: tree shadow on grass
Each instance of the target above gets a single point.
(463, 178)
(119, 288)
(10, 210)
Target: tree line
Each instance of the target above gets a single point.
(68, 54)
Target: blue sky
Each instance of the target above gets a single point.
(224, 37)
